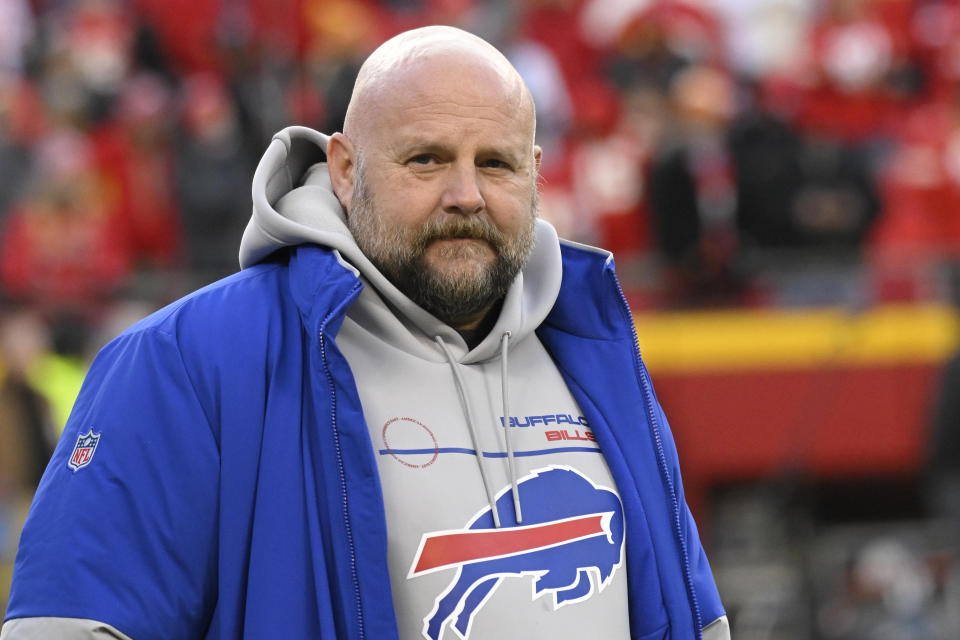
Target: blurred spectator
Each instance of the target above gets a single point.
(889, 590)
(540, 69)
(59, 371)
(557, 25)
(861, 71)
(692, 190)
(921, 182)
(186, 31)
(766, 155)
(25, 425)
(609, 162)
(661, 40)
(213, 169)
(137, 157)
(16, 34)
(19, 115)
(339, 38)
(765, 37)
(25, 430)
(721, 183)
(87, 59)
(837, 202)
(61, 247)
(259, 69)
(796, 192)
(601, 21)
(935, 35)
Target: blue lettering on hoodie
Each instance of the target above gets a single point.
(545, 419)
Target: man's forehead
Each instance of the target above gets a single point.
(450, 84)
(452, 110)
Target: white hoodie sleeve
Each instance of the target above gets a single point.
(65, 628)
(719, 629)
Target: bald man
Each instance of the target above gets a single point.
(413, 414)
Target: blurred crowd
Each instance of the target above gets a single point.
(713, 145)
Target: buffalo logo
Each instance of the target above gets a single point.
(84, 449)
(570, 542)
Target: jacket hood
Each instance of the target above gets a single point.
(294, 203)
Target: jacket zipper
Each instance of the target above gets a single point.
(644, 377)
(342, 473)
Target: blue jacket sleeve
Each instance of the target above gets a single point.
(127, 534)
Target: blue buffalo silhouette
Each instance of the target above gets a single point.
(570, 571)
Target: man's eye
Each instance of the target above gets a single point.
(423, 158)
(494, 163)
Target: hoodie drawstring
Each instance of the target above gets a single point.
(504, 343)
(465, 406)
(468, 414)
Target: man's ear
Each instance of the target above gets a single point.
(341, 162)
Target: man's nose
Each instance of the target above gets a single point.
(462, 194)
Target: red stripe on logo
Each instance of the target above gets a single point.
(444, 549)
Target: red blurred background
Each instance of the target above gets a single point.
(778, 179)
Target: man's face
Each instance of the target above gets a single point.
(445, 193)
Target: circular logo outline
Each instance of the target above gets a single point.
(436, 445)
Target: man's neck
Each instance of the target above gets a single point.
(475, 335)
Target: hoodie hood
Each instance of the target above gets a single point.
(294, 203)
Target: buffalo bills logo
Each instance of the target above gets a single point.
(84, 449)
(570, 543)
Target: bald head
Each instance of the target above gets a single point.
(416, 65)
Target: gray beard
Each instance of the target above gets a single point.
(398, 252)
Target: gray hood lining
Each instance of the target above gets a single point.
(294, 203)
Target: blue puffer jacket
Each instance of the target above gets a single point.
(233, 492)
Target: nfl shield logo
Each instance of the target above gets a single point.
(83, 450)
